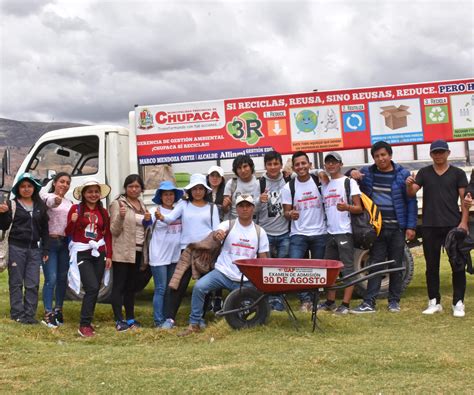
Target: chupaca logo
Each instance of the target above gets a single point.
(246, 127)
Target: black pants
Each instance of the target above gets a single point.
(123, 288)
(433, 240)
(92, 271)
(177, 296)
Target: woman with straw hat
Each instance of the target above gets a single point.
(91, 246)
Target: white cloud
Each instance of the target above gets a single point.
(91, 61)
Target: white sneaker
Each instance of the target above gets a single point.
(433, 307)
(458, 310)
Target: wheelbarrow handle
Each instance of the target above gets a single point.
(364, 278)
(364, 269)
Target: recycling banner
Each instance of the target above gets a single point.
(311, 122)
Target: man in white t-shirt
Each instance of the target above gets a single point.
(245, 183)
(303, 206)
(339, 208)
(241, 240)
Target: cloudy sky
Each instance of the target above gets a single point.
(92, 60)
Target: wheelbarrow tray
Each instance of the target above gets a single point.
(283, 275)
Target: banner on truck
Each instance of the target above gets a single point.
(314, 121)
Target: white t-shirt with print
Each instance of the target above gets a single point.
(308, 203)
(338, 222)
(251, 187)
(165, 241)
(241, 243)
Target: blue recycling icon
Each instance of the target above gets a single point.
(353, 121)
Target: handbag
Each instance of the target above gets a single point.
(4, 253)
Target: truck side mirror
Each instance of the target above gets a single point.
(5, 166)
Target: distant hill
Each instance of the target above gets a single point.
(23, 134)
(20, 136)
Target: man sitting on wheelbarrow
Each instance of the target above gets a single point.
(242, 239)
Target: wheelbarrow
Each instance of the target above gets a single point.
(248, 306)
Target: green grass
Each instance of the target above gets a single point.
(379, 353)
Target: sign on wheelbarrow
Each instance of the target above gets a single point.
(294, 275)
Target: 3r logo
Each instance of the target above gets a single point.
(246, 127)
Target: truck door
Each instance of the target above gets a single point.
(80, 156)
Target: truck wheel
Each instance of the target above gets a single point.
(243, 297)
(105, 292)
(360, 261)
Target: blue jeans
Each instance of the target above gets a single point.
(300, 245)
(161, 277)
(55, 273)
(208, 283)
(279, 245)
(389, 245)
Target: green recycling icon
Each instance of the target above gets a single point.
(247, 128)
(436, 114)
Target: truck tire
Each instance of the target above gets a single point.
(243, 297)
(105, 292)
(360, 261)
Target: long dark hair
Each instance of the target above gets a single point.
(56, 178)
(100, 207)
(220, 191)
(130, 179)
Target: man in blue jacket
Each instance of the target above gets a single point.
(384, 182)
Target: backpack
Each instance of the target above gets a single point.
(4, 256)
(365, 226)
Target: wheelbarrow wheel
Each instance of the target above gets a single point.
(244, 297)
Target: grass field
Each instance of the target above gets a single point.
(378, 353)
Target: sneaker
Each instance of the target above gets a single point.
(342, 310)
(134, 324)
(217, 304)
(49, 320)
(393, 307)
(306, 307)
(324, 306)
(363, 308)
(192, 328)
(58, 315)
(433, 307)
(168, 324)
(86, 331)
(458, 309)
(121, 326)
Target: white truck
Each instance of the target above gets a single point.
(109, 153)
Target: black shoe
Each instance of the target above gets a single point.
(217, 305)
(29, 321)
(121, 326)
(58, 315)
(49, 320)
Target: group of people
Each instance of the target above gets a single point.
(200, 231)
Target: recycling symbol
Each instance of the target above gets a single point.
(437, 114)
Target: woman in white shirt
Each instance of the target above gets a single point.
(164, 251)
(198, 218)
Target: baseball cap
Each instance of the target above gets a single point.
(439, 145)
(334, 155)
(244, 198)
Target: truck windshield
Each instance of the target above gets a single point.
(77, 156)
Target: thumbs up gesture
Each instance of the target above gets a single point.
(264, 196)
(147, 216)
(468, 201)
(74, 216)
(122, 209)
(57, 200)
(158, 214)
(411, 179)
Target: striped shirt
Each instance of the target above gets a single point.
(382, 197)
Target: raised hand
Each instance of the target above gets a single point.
(122, 209)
